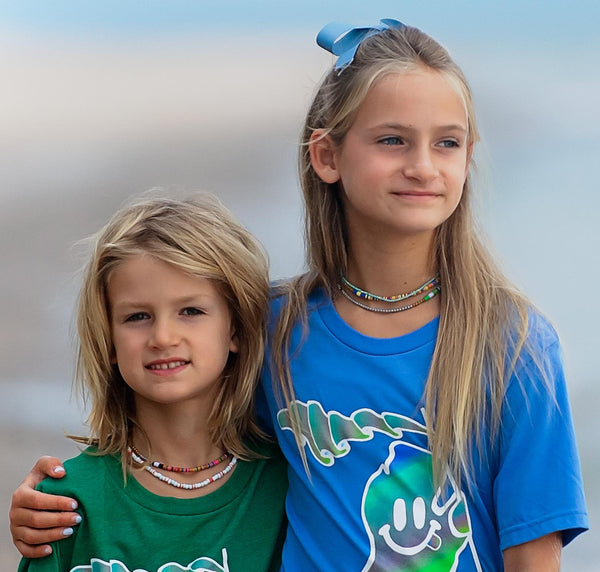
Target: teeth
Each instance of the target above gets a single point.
(169, 365)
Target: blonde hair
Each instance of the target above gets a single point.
(482, 319)
(202, 238)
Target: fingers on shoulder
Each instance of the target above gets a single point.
(45, 466)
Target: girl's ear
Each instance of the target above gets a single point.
(234, 344)
(469, 157)
(323, 156)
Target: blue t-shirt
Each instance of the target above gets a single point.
(369, 503)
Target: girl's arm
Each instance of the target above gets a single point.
(539, 555)
(37, 518)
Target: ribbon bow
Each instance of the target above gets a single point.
(343, 41)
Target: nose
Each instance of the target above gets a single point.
(164, 334)
(420, 165)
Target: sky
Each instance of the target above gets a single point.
(526, 20)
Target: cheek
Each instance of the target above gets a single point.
(118, 357)
(459, 175)
(458, 188)
(455, 198)
(124, 347)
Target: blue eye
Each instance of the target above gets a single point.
(137, 317)
(391, 141)
(192, 312)
(449, 143)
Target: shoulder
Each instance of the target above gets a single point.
(278, 295)
(270, 458)
(537, 384)
(268, 477)
(287, 292)
(267, 450)
(541, 334)
(80, 471)
(541, 354)
(530, 342)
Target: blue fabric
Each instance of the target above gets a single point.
(369, 503)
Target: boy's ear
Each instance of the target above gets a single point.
(323, 156)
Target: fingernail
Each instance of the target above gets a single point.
(68, 531)
(47, 550)
(77, 519)
(73, 505)
(58, 469)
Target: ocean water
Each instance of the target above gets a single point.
(87, 128)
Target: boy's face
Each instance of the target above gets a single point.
(172, 332)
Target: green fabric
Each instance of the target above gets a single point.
(238, 527)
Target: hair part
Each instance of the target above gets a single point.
(483, 319)
(202, 238)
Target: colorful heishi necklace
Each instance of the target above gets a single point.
(177, 484)
(360, 293)
(432, 287)
(173, 469)
(425, 298)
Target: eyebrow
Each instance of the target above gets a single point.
(401, 127)
(134, 304)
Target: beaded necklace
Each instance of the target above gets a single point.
(360, 293)
(425, 298)
(177, 484)
(173, 469)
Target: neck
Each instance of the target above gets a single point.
(177, 436)
(387, 267)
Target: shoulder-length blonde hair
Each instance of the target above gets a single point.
(483, 320)
(202, 238)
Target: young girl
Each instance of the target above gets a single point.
(418, 397)
(171, 331)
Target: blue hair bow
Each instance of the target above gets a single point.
(343, 40)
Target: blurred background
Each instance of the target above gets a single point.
(102, 100)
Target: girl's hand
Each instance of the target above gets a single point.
(37, 518)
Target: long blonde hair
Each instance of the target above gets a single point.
(200, 237)
(483, 319)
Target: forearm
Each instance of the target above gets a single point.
(539, 555)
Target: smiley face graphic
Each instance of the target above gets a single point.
(411, 525)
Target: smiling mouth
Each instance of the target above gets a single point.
(416, 194)
(163, 366)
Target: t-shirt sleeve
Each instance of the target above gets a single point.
(538, 488)
(47, 564)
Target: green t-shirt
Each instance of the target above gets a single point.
(238, 527)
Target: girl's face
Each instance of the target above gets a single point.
(404, 161)
(172, 332)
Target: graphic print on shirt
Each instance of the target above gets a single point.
(198, 565)
(410, 525)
